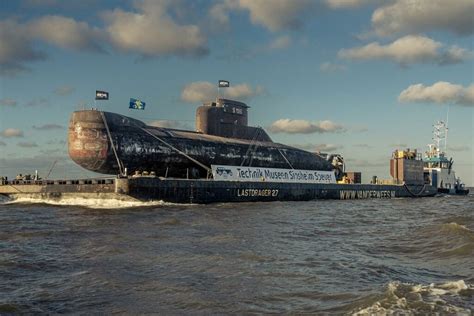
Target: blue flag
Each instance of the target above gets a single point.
(137, 104)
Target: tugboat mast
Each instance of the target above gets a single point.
(446, 130)
(440, 133)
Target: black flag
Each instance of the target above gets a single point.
(224, 84)
(101, 95)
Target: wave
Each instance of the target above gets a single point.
(438, 241)
(94, 203)
(458, 229)
(410, 299)
(4, 199)
(460, 239)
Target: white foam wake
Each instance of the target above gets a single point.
(411, 299)
(4, 199)
(94, 203)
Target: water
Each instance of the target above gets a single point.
(409, 256)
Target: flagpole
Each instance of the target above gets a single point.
(100, 95)
(225, 84)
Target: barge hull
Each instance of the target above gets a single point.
(206, 191)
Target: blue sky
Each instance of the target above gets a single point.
(358, 77)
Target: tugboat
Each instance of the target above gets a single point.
(438, 169)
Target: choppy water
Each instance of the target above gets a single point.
(408, 256)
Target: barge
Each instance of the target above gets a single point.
(224, 160)
(201, 191)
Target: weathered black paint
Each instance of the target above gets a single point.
(89, 146)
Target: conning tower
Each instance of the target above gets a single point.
(227, 118)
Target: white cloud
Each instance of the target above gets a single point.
(304, 127)
(219, 12)
(16, 48)
(7, 102)
(151, 31)
(440, 92)
(329, 67)
(200, 91)
(242, 91)
(11, 132)
(66, 33)
(416, 16)
(203, 91)
(275, 15)
(455, 54)
(17, 40)
(280, 42)
(281, 14)
(407, 50)
(344, 4)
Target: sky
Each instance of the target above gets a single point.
(356, 77)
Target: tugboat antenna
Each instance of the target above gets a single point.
(447, 129)
(440, 131)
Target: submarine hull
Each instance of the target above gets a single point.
(170, 152)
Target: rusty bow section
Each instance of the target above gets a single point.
(87, 140)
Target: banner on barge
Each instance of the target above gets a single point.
(256, 174)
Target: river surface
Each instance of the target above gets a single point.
(401, 256)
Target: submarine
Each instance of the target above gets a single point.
(109, 143)
(223, 160)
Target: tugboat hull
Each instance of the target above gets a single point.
(453, 191)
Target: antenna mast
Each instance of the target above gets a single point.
(446, 128)
(439, 134)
